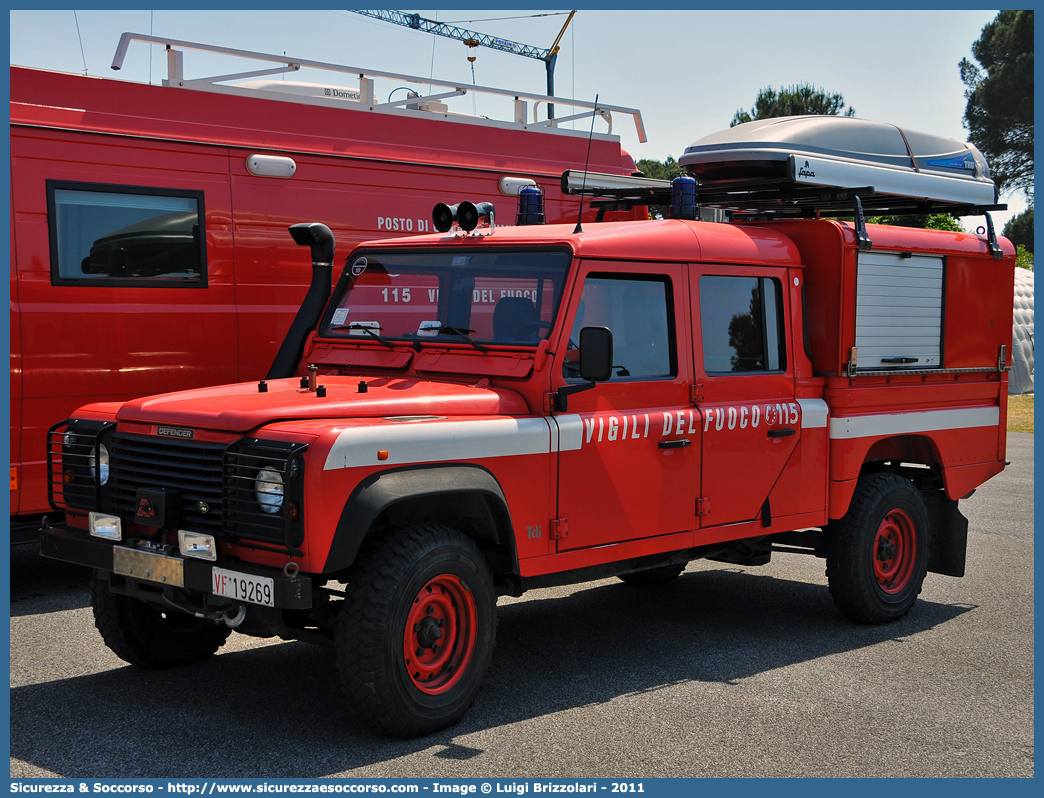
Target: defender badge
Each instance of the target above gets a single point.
(176, 432)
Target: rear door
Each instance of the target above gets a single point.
(745, 377)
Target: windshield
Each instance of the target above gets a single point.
(444, 296)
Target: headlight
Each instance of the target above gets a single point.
(268, 489)
(103, 464)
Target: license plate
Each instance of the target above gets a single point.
(243, 587)
(148, 565)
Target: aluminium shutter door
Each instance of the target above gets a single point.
(899, 303)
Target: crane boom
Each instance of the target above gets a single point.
(474, 39)
(469, 37)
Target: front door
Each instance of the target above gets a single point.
(629, 447)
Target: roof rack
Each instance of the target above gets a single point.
(762, 200)
(367, 100)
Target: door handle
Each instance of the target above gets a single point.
(681, 443)
(781, 433)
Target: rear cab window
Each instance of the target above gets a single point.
(741, 321)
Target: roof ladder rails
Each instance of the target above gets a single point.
(991, 238)
(860, 226)
(283, 64)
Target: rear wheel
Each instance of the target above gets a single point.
(653, 576)
(878, 553)
(148, 636)
(416, 634)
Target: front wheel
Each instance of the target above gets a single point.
(148, 636)
(877, 556)
(417, 630)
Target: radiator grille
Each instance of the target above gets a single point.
(193, 469)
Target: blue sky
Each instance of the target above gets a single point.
(687, 70)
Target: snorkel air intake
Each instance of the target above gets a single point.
(321, 240)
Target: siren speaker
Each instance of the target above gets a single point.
(443, 217)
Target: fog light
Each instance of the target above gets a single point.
(105, 526)
(194, 544)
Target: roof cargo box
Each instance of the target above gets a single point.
(841, 152)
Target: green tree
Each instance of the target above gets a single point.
(797, 100)
(929, 221)
(1020, 229)
(999, 113)
(1023, 259)
(668, 170)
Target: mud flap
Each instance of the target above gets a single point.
(948, 544)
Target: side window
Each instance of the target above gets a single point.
(638, 311)
(126, 235)
(742, 324)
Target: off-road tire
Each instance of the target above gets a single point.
(148, 636)
(400, 681)
(653, 576)
(877, 554)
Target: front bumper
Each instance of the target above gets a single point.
(77, 547)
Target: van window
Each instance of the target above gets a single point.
(637, 310)
(742, 324)
(125, 235)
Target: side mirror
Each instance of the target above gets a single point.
(596, 354)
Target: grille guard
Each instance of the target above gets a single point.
(215, 482)
(72, 488)
(243, 519)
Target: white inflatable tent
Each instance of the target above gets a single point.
(1020, 380)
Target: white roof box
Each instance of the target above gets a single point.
(841, 152)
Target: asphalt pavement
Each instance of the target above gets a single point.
(727, 671)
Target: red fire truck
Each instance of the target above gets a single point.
(496, 408)
(148, 223)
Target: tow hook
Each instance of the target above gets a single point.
(232, 620)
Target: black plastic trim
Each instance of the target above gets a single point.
(77, 547)
(609, 569)
(382, 490)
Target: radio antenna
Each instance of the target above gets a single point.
(580, 216)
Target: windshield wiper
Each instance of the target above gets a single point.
(459, 331)
(369, 331)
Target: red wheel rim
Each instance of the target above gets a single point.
(895, 550)
(440, 634)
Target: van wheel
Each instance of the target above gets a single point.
(877, 555)
(148, 636)
(653, 576)
(416, 633)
